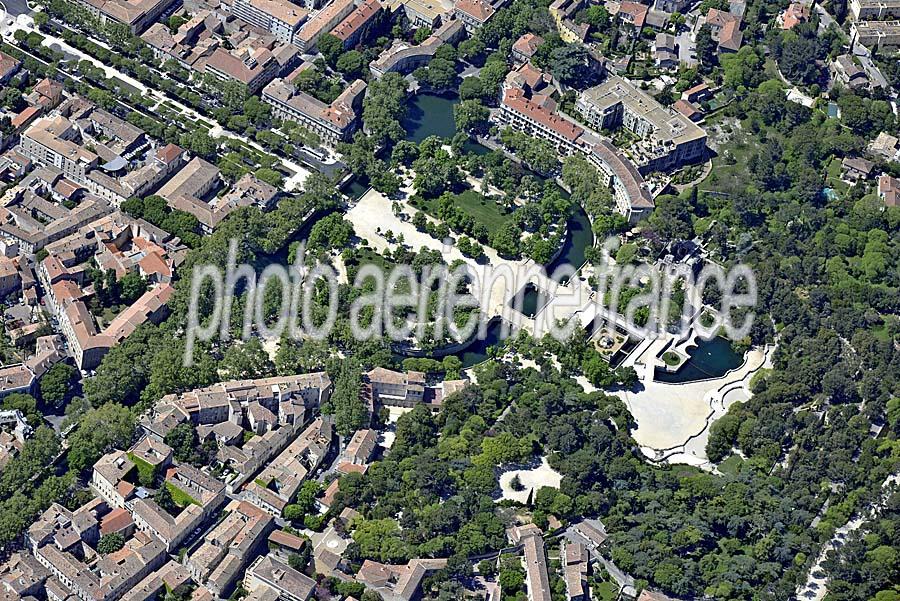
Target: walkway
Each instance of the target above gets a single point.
(673, 419)
(294, 182)
(816, 586)
(499, 280)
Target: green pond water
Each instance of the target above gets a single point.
(709, 359)
(432, 115)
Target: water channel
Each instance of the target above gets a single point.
(432, 115)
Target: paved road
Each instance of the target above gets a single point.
(292, 183)
(859, 51)
(865, 59)
(15, 7)
(621, 578)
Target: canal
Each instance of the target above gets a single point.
(432, 115)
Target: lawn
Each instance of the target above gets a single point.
(729, 174)
(833, 177)
(731, 465)
(146, 472)
(481, 209)
(181, 498)
(605, 591)
(671, 359)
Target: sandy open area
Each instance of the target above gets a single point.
(542, 475)
(670, 415)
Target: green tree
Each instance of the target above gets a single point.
(707, 48)
(131, 287)
(569, 64)
(471, 116)
(26, 404)
(350, 413)
(270, 176)
(183, 440)
(247, 360)
(384, 107)
(110, 543)
(352, 64)
(331, 48)
(99, 431)
(55, 383)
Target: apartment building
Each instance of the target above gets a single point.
(575, 571)
(190, 185)
(271, 578)
(394, 388)
(91, 148)
(876, 34)
(279, 482)
(49, 141)
(397, 582)
(246, 192)
(218, 562)
(22, 576)
(252, 67)
(137, 15)
(225, 401)
(419, 13)
(473, 13)
(110, 478)
(153, 519)
(352, 30)
(333, 123)
(536, 116)
(668, 139)
(23, 377)
(119, 243)
(537, 580)
(279, 17)
(360, 448)
(532, 116)
(874, 10)
(63, 542)
(563, 13)
(526, 46)
(322, 22)
(404, 58)
(630, 193)
(172, 577)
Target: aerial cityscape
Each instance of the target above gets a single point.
(438, 300)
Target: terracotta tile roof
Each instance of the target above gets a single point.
(8, 65)
(528, 44)
(359, 17)
(169, 153)
(478, 9)
(889, 190)
(516, 100)
(793, 15)
(686, 108)
(330, 493)
(285, 539)
(637, 13)
(25, 117)
(115, 521)
(351, 468)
